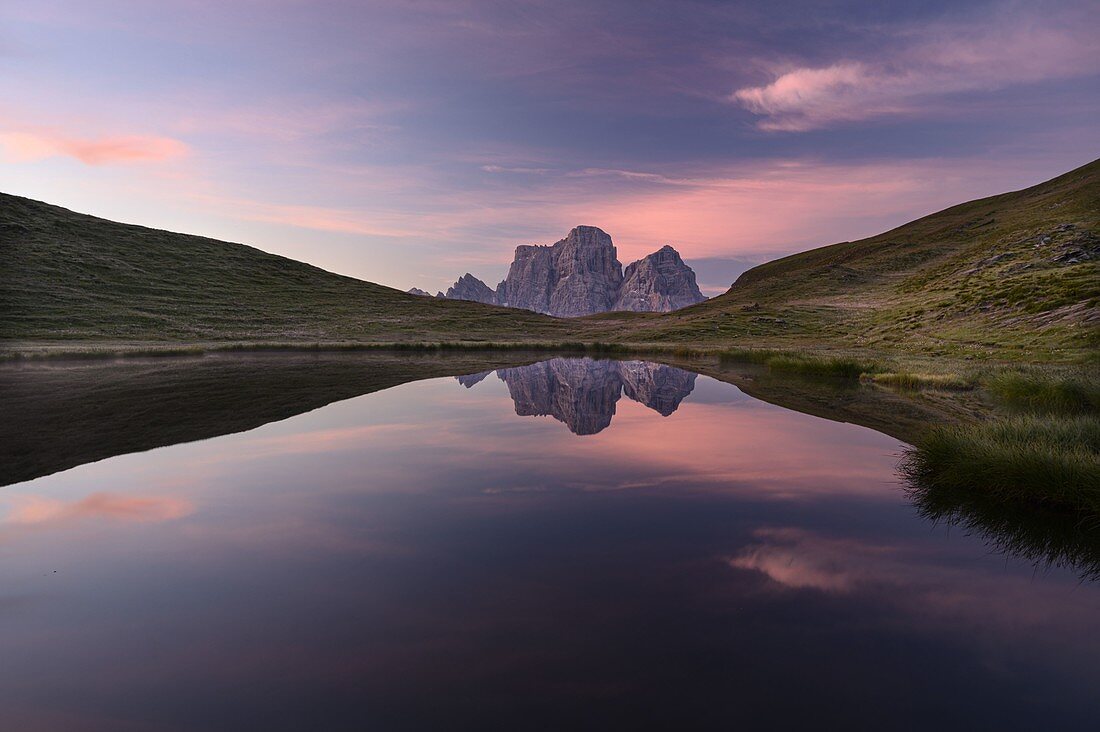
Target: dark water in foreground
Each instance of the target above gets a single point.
(660, 551)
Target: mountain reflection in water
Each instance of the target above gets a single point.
(421, 558)
(582, 392)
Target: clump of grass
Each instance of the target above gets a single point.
(1047, 395)
(746, 355)
(800, 363)
(915, 382)
(846, 368)
(1032, 459)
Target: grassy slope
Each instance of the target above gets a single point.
(66, 276)
(992, 277)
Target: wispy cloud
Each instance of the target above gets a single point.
(932, 62)
(507, 169)
(24, 146)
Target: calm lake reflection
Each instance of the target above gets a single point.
(569, 544)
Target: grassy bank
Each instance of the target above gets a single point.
(801, 362)
(1024, 392)
(909, 381)
(1042, 448)
(1034, 459)
(96, 351)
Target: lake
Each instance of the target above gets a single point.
(557, 544)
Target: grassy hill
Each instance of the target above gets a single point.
(1015, 275)
(1011, 277)
(66, 276)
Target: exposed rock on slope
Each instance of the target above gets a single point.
(581, 275)
(660, 282)
(469, 287)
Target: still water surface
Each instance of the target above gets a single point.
(572, 544)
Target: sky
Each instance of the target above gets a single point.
(410, 141)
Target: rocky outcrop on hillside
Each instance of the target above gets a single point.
(469, 287)
(660, 282)
(581, 275)
(582, 393)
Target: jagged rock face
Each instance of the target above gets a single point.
(418, 292)
(660, 282)
(582, 393)
(578, 275)
(469, 287)
(530, 280)
(581, 275)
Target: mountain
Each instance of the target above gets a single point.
(578, 275)
(658, 283)
(1013, 276)
(582, 275)
(471, 288)
(66, 276)
(417, 291)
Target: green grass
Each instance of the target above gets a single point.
(1013, 277)
(801, 363)
(68, 277)
(1044, 394)
(989, 280)
(1029, 459)
(909, 381)
(845, 368)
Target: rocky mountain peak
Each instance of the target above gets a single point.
(469, 287)
(581, 275)
(659, 282)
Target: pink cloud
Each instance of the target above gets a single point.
(23, 146)
(934, 61)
